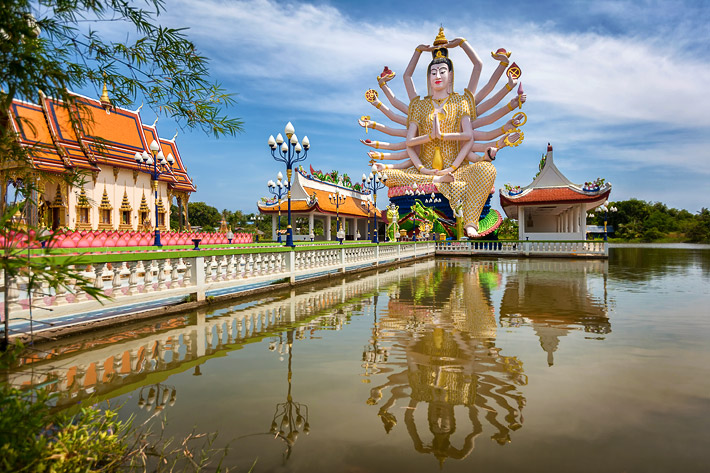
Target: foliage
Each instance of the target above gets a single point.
(203, 215)
(508, 229)
(53, 47)
(34, 438)
(637, 220)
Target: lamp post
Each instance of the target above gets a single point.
(278, 189)
(366, 204)
(161, 165)
(606, 210)
(289, 153)
(374, 182)
(337, 199)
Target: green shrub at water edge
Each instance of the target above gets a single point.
(33, 439)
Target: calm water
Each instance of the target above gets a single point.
(453, 364)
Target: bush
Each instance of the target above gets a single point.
(33, 439)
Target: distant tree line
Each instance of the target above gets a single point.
(638, 220)
(209, 219)
(635, 220)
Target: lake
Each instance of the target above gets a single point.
(453, 364)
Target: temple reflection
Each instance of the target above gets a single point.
(442, 325)
(556, 298)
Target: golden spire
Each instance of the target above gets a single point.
(105, 100)
(440, 38)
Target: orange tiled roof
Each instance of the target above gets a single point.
(101, 138)
(558, 195)
(352, 207)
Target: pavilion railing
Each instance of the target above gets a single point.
(572, 248)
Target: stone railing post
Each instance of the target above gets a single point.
(197, 276)
(291, 266)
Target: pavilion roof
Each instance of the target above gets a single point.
(100, 138)
(311, 195)
(557, 195)
(352, 207)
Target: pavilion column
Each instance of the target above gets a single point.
(273, 227)
(327, 227)
(521, 222)
(310, 224)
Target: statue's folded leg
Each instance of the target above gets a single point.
(472, 186)
(406, 177)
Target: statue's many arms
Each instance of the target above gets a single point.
(441, 130)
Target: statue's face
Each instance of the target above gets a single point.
(440, 77)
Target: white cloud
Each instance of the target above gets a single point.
(606, 95)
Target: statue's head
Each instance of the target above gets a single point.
(440, 71)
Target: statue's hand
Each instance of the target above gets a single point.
(512, 82)
(436, 127)
(500, 56)
(454, 42)
(380, 166)
(369, 143)
(425, 47)
(443, 172)
(428, 172)
(366, 123)
(490, 153)
(523, 98)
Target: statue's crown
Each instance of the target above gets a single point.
(440, 38)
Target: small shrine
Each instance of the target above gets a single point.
(552, 207)
(323, 196)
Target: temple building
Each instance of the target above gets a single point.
(552, 207)
(314, 196)
(117, 193)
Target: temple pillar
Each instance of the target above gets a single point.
(328, 223)
(273, 227)
(310, 224)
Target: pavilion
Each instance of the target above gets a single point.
(552, 207)
(311, 196)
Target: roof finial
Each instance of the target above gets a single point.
(174, 136)
(139, 108)
(105, 100)
(155, 122)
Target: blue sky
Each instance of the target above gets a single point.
(620, 89)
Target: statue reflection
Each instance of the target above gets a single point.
(446, 328)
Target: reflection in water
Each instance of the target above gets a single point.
(432, 364)
(156, 397)
(444, 324)
(290, 417)
(554, 298)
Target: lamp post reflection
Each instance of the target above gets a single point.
(290, 417)
(373, 353)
